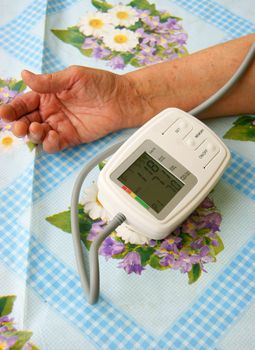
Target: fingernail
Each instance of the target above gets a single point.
(26, 72)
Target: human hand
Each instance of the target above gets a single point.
(73, 106)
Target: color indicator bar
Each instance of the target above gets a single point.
(133, 195)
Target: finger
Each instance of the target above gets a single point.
(51, 83)
(20, 106)
(21, 127)
(51, 143)
(38, 131)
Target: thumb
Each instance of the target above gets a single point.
(49, 83)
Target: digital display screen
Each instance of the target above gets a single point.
(149, 180)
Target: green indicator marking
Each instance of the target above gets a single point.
(145, 205)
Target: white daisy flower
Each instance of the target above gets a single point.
(123, 15)
(8, 142)
(92, 206)
(95, 23)
(121, 40)
(130, 235)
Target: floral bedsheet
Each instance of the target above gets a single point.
(193, 290)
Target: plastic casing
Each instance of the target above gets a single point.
(187, 140)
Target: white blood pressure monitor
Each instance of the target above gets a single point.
(162, 172)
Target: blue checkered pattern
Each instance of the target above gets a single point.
(220, 305)
(59, 5)
(102, 323)
(16, 37)
(198, 328)
(240, 175)
(216, 308)
(51, 170)
(219, 16)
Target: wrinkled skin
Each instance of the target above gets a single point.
(74, 106)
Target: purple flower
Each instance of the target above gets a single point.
(204, 251)
(5, 126)
(197, 244)
(111, 247)
(148, 60)
(211, 221)
(179, 38)
(7, 342)
(168, 260)
(141, 32)
(95, 229)
(4, 319)
(189, 227)
(143, 13)
(147, 50)
(204, 257)
(215, 242)
(207, 203)
(152, 21)
(152, 243)
(6, 324)
(90, 43)
(100, 52)
(149, 39)
(132, 263)
(117, 63)
(6, 95)
(170, 24)
(171, 243)
(186, 261)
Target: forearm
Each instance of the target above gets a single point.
(188, 81)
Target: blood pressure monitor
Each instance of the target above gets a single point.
(156, 178)
(162, 172)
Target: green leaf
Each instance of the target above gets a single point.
(137, 25)
(220, 247)
(23, 337)
(86, 52)
(145, 254)
(165, 16)
(70, 36)
(63, 221)
(127, 57)
(101, 5)
(160, 51)
(186, 239)
(102, 164)
(3, 83)
(241, 133)
(194, 273)
(6, 304)
(34, 347)
(31, 145)
(120, 255)
(145, 5)
(185, 53)
(245, 120)
(243, 130)
(135, 63)
(203, 231)
(18, 86)
(155, 263)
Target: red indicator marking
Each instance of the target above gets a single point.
(126, 189)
